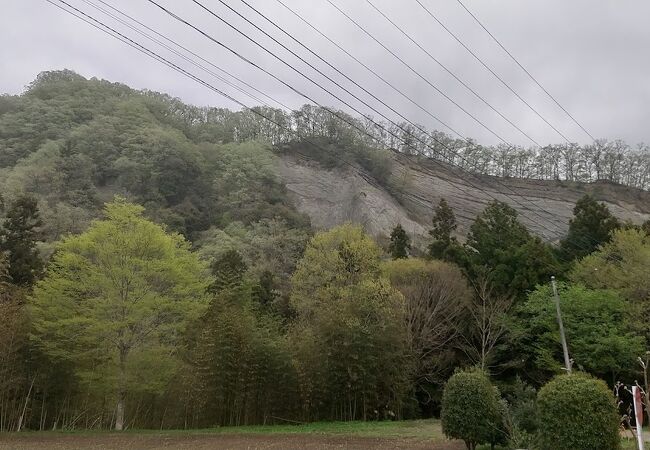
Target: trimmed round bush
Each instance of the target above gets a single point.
(577, 412)
(471, 409)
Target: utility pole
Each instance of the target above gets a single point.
(565, 349)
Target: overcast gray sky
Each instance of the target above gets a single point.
(592, 55)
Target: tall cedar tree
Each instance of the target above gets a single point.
(646, 227)
(444, 246)
(18, 237)
(400, 243)
(228, 271)
(499, 244)
(592, 225)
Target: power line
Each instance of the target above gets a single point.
(177, 53)
(175, 16)
(489, 69)
(372, 71)
(334, 67)
(123, 38)
(525, 70)
(426, 80)
(358, 25)
(221, 69)
(177, 68)
(450, 72)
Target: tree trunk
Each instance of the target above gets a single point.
(21, 419)
(119, 414)
(121, 395)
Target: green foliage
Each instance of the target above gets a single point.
(400, 243)
(18, 236)
(577, 411)
(74, 143)
(600, 330)
(591, 226)
(622, 264)
(522, 405)
(268, 246)
(436, 296)
(349, 337)
(444, 246)
(241, 363)
(115, 300)
(471, 409)
(517, 261)
(645, 227)
(228, 271)
(249, 188)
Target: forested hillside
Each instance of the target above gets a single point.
(168, 266)
(75, 143)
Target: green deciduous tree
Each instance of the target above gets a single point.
(114, 301)
(350, 336)
(591, 226)
(400, 243)
(602, 336)
(18, 237)
(623, 264)
(436, 296)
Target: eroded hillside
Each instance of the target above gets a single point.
(331, 197)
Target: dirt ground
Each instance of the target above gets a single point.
(216, 441)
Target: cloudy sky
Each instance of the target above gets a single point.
(593, 56)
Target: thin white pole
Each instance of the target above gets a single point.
(565, 349)
(638, 415)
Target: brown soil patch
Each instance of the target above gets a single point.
(217, 441)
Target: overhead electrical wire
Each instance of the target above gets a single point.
(526, 71)
(396, 56)
(98, 24)
(336, 69)
(130, 42)
(175, 16)
(210, 63)
(372, 71)
(489, 69)
(179, 54)
(453, 75)
(155, 56)
(425, 79)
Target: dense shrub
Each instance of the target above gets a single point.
(471, 409)
(577, 412)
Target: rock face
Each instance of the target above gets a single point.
(332, 197)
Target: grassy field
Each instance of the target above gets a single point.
(415, 434)
(412, 434)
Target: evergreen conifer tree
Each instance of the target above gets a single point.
(400, 243)
(18, 237)
(228, 271)
(444, 246)
(592, 225)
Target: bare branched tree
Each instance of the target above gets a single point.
(436, 296)
(487, 326)
(645, 389)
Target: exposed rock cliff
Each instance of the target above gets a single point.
(331, 197)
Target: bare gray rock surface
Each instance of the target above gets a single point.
(332, 197)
